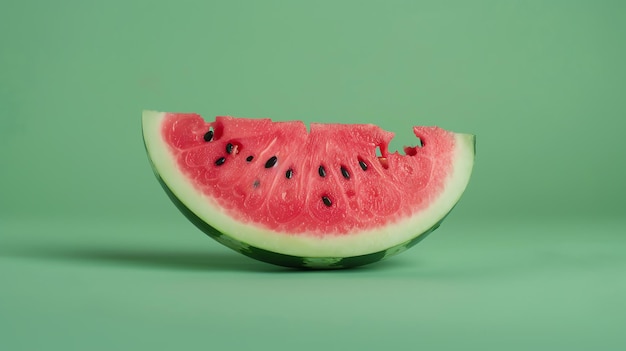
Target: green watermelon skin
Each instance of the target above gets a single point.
(305, 263)
(288, 260)
(314, 259)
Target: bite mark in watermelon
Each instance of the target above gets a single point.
(321, 198)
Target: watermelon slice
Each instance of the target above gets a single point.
(321, 198)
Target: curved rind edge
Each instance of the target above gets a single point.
(289, 260)
(149, 120)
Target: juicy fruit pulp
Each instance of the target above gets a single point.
(323, 194)
(296, 182)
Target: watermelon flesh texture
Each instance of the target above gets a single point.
(321, 198)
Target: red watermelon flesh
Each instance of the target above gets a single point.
(326, 182)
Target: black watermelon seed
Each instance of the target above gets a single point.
(220, 161)
(321, 171)
(229, 148)
(289, 173)
(208, 136)
(249, 158)
(256, 183)
(327, 201)
(363, 165)
(345, 172)
(271, 162)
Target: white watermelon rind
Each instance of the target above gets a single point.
(305, 251)
(290, 260)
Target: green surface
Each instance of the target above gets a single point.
(94, 256)
(74, 285)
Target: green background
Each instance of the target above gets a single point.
(94, 256)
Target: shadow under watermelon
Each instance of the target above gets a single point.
(168, 259)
